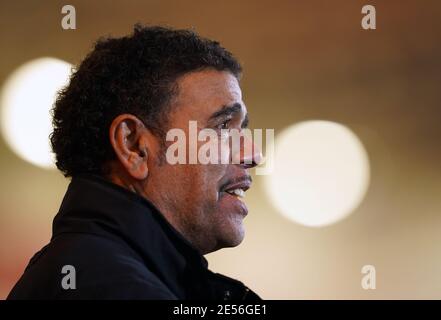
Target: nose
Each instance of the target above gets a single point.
(250, 153)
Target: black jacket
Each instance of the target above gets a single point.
(121, 248)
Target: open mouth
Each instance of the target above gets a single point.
(237, 187)
(240, 193)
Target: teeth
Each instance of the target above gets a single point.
(237, 192)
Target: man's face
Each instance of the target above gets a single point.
(197, 198)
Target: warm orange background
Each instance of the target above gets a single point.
(303, 60)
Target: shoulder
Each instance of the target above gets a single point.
(99, 267)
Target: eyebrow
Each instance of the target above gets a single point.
(228, 110)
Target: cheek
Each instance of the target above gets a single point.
(206, 179)
(224, 149)
(196, 185)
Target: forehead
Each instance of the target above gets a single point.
(202, 93)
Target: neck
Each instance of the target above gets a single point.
(122, 179)
(163, 202)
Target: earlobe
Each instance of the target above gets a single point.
(126, 134)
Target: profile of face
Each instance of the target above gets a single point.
(202, 201)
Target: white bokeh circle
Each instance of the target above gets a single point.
(321, 173)
(26, 99)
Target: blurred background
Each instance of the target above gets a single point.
(303, 61)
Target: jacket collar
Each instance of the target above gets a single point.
(94, 205)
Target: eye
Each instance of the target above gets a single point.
(224, 125)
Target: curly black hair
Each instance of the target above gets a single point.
(134, 74)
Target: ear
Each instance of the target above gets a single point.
(129, 139)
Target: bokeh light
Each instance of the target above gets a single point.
(26, 99)
(321, 173)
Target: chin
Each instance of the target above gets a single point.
(234, 236)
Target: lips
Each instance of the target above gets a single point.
(237, 186)
(234, 190)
